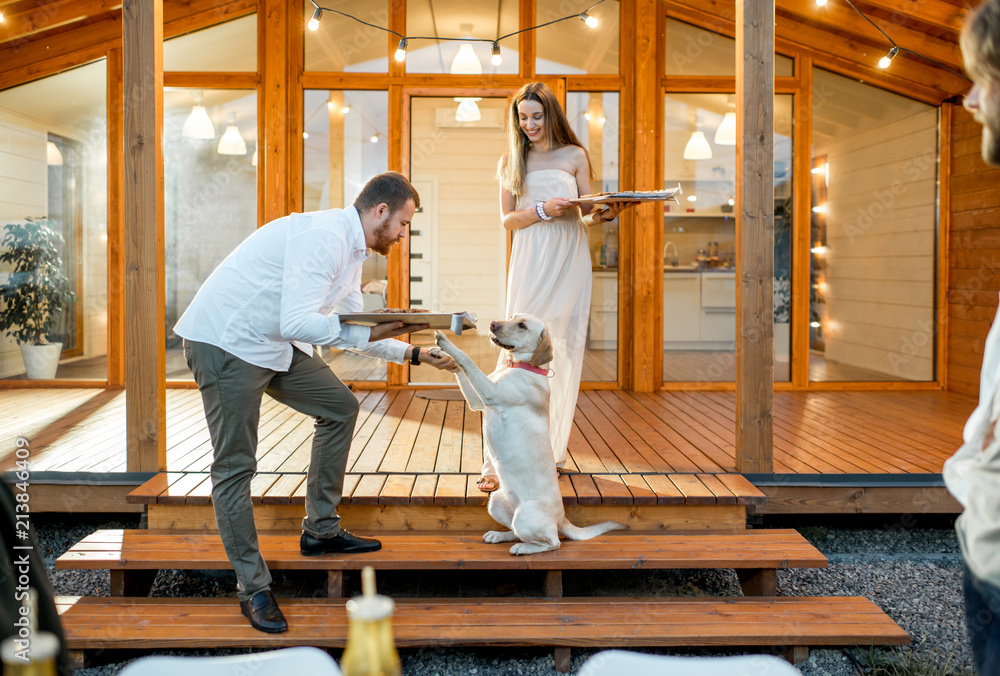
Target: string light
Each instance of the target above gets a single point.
(313, 24)
(886, 60)
(1, 16)
(496, 59)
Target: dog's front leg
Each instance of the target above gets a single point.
(485, 390)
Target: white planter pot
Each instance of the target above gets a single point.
(41, 361)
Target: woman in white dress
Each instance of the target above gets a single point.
(545, 166)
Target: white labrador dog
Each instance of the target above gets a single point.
(515, 404)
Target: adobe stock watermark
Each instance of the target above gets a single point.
(20, 559)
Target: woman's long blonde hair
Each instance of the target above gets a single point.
(558, 133)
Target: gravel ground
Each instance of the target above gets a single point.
(914, 574)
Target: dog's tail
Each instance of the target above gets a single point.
(572, 532)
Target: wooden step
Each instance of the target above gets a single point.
(166, 623)
(755, 554)
(450, 501)
(195, 488)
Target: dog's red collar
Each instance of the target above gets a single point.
(526, 366)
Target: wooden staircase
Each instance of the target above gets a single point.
(696, 521)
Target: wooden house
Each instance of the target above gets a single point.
(806, 324)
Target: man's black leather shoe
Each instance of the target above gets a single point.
(264, 613)
(341, 543)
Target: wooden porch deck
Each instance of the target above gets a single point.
(630, 442)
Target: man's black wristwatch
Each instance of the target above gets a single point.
(414, 356)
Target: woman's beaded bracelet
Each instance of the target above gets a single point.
(540, 212)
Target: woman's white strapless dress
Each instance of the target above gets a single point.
(550, 277)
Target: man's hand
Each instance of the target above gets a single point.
(393, 329)
(437, 359)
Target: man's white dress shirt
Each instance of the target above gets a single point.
(284, 286)
(973, 473)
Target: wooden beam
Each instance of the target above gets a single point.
(840, 19)
(116, 221)
(801, 222)
(754, 235)
(145, 359)
(945, 164)
(59, 49)
(646, 220)
(946, 15)
(836, 53)
(526, 40)
(21, 19)
(272, 153)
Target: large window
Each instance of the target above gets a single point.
(699, 234)
(594, 118)
(53, 165)
(874, 218)
(345, 140)
(210, 193)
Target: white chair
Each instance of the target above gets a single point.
(618, 662)
(303, 660)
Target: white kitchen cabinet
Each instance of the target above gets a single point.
(603, 334)
(681, 307)
(718, 307)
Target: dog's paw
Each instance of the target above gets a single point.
(492, 537)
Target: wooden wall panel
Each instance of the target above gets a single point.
(974, 253)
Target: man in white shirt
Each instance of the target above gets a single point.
(973, 473)
(251, 329)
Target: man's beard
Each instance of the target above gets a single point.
(383, 242)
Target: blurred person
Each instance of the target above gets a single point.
(973, 473)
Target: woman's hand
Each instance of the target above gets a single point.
(613, 211)
(557, 206)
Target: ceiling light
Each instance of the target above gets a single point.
(466, 62)
(375, 137)
(697, 147)
(591, 21)
(820, 3)
(467, 110)
(53, 157)
(232, 142)
(305, 134)
(692, 198)
(725, 135)
(346, 109)
(401, 51)
(602, 119)
(314, 21)
(1, 17)
(495, 58)
(586, 116)
(198, 124)
(331, 105)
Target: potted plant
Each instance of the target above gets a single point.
(36, 294)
